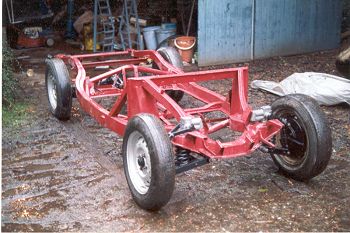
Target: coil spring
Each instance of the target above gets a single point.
(182, 156)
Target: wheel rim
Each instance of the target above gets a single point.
(51, 90)
(293, 138)
(139, 162)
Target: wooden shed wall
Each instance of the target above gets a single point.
(241, 30)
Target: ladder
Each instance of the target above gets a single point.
(129, 10)
(105, 38)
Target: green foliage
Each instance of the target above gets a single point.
(8, 80)
(14, 116)
(13, 112)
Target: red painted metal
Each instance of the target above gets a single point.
(144, 91)
(27, 42)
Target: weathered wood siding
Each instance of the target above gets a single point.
(285, 27)
(224, 31)
(240, 30)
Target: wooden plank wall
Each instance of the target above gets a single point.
(284, 27)
(224, 31)
(240, 30)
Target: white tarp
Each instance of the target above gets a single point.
(326, 89)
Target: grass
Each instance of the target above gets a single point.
(14, 110)
(9, 81)
(14, 116)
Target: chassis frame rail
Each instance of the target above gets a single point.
(147, 94)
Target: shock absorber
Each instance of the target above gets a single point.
(182, 156)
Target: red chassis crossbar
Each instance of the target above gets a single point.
(144, 91)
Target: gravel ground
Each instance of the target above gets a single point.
(68, 176)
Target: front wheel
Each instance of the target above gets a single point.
(148, 162)
(306, 137)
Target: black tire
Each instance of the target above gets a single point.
(165, 42)
(59, 89)
(306, 135)
(155, 192)
(172, 56)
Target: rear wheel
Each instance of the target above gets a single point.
(148, 162)
(306, 137)
(59, 89)
(171, 55)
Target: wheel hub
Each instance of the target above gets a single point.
(292, 138)
(139, 162)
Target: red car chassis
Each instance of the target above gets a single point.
(137, 97)
(146, 94)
